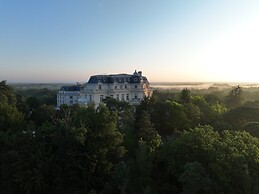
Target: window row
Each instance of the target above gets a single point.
(120, 97)
(64, 97)
(116, 87)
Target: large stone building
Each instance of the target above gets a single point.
(124, 87)
(69, 95)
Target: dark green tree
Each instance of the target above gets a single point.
(234, 98)
(10, 117)
(6, 93)
(44, 113)
(230, 161)
(239, 116)
(33, 103)
(208, 113)
(169, 117)
(252, 128)
(185, 95)
(147, 132)
(195, 179)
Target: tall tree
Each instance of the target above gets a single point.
(185, 95)
(147, 132)
(234, 97)
(10, 117)
(6, 93)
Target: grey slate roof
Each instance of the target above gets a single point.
(71, 88)
(119, 78)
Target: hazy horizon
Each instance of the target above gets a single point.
(152, 82)
(170, 41)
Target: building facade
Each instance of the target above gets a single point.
(69, 95)
(131, 88)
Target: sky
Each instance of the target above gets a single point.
(168, 40)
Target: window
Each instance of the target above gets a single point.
(90, 97)
(127, 96)
(136, 96)
(115, 87)
(101, 97)
(136, 86)
(71, 97)
(117, 96)
(99, 86)
(121, 87)
(122, 97)
(125, 86)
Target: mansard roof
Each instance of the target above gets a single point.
(117, 78)
(71, 88)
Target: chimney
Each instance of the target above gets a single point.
(135, 73)
(140, 73)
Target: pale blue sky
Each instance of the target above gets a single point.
(184, 40)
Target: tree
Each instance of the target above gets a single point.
(33, 103)
(6, 93)
(185, 96)
(76, 153)
(234, 98)
(195, 179)
(239, 116)
(44, 113)
(169, 117)
(230, 160)
(10, 117)
(193, 113)
(252, 128)
(208, 113)
(147, 133)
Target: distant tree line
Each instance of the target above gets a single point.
(174, 142)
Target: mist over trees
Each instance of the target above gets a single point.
(184, 141)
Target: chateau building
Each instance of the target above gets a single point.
(69, 95)
(124, 87)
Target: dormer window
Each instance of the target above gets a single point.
(99, 86)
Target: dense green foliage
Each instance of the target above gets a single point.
(175, 142)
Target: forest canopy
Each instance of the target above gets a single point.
(187, 141)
